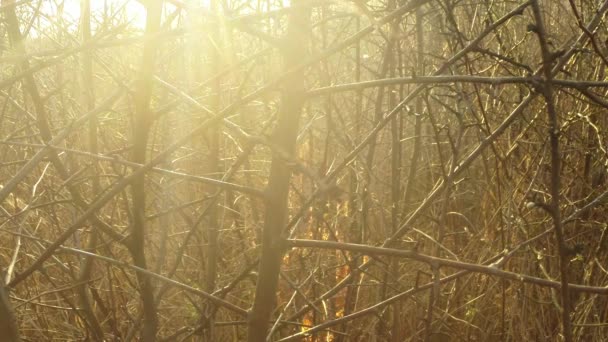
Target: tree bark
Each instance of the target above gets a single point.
(86, 266)
(142, 125)
(284, 135)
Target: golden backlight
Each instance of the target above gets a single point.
(134, 11)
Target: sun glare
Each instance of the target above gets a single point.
(133, 11)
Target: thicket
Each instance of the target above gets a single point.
(269, 170)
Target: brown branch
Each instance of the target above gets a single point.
(555, 187)
(442, 79)
(211, 297)
(430, 260)
(464, 164)
(176, 174)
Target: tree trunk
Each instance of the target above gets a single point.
(285, 135)
(142, 123)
